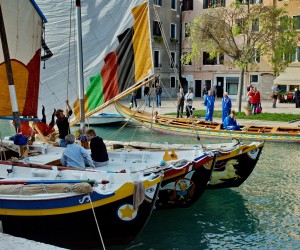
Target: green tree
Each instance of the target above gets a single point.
(242, 32)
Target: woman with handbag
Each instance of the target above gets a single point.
(189, 102)
(254, 99)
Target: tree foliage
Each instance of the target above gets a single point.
(242, 31)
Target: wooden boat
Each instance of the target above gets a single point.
(234, 163)
(111, 211)
(73, 208)
(195, 127)
(189, 168)
(105, 119)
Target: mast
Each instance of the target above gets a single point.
(80, 66)
(11, 85)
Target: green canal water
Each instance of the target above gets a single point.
(263, 213)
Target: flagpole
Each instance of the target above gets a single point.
(11, 85)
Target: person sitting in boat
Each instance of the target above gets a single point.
(75, 155)
(189, 96)
(229, 122)
(63, 125)
(209, 102)
(44, 128)
(226, 106)
(98, 149)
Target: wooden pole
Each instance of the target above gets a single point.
(11, 85)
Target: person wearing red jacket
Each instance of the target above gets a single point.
(254, 99)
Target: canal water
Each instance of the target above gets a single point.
(263, 213)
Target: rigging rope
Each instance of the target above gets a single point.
(98, 228)
(172, 63)
(166, 44)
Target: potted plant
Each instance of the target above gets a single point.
(158, 39)
(248, 110)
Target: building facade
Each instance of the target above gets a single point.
(168, 20)
(226, 77)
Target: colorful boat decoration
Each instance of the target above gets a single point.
(195, 165)
(72, 208)
(234, 167)
(234, 163)
(195, 127)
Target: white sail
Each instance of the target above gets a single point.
(102, 24)
(24, 44)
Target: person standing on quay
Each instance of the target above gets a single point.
(147, 95)
(204, 92)
(158, 91)
(180, 103)
(189, 102)
(297, 97)
(275, 91)
(226, 106)
(133, 100)
(214, 90)
(209, 102)
(254, 99)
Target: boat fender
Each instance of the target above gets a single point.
(20, 140)
(162, 163)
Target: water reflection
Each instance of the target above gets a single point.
(216, 217)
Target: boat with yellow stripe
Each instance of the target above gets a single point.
(234, 162)
(72, 208)
(195, 127)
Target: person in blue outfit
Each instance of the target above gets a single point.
(226, 106)
(74, 155)
(209, 102)
(229, 122)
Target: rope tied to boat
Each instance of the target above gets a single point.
(97, 224)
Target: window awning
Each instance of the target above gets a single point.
(290, 76)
